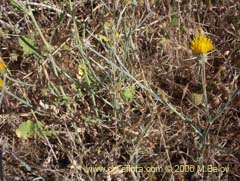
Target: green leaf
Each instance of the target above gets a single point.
(90, 120)
(27, 44)
(25, 129)
(128, 94)
(174, 20)
(49, 133)
(28, 129)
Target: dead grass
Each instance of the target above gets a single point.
(98, 128)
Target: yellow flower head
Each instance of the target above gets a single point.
(201, 44)
(1, 82)
(2, 65)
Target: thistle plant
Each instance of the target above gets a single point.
(201, 45)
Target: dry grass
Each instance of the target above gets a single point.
(86, 54)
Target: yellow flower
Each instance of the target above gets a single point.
(2, 65)
(1, 82)
(117, 35)
(201, 44)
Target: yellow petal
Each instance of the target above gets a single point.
(2, 65)
(201, 44)
(1, 82)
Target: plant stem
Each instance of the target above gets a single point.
(38, 29)
(204, 88)
(204, 137)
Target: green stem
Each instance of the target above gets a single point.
(38, 29)
(203, 60)
(204, 138)
(19, 99)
